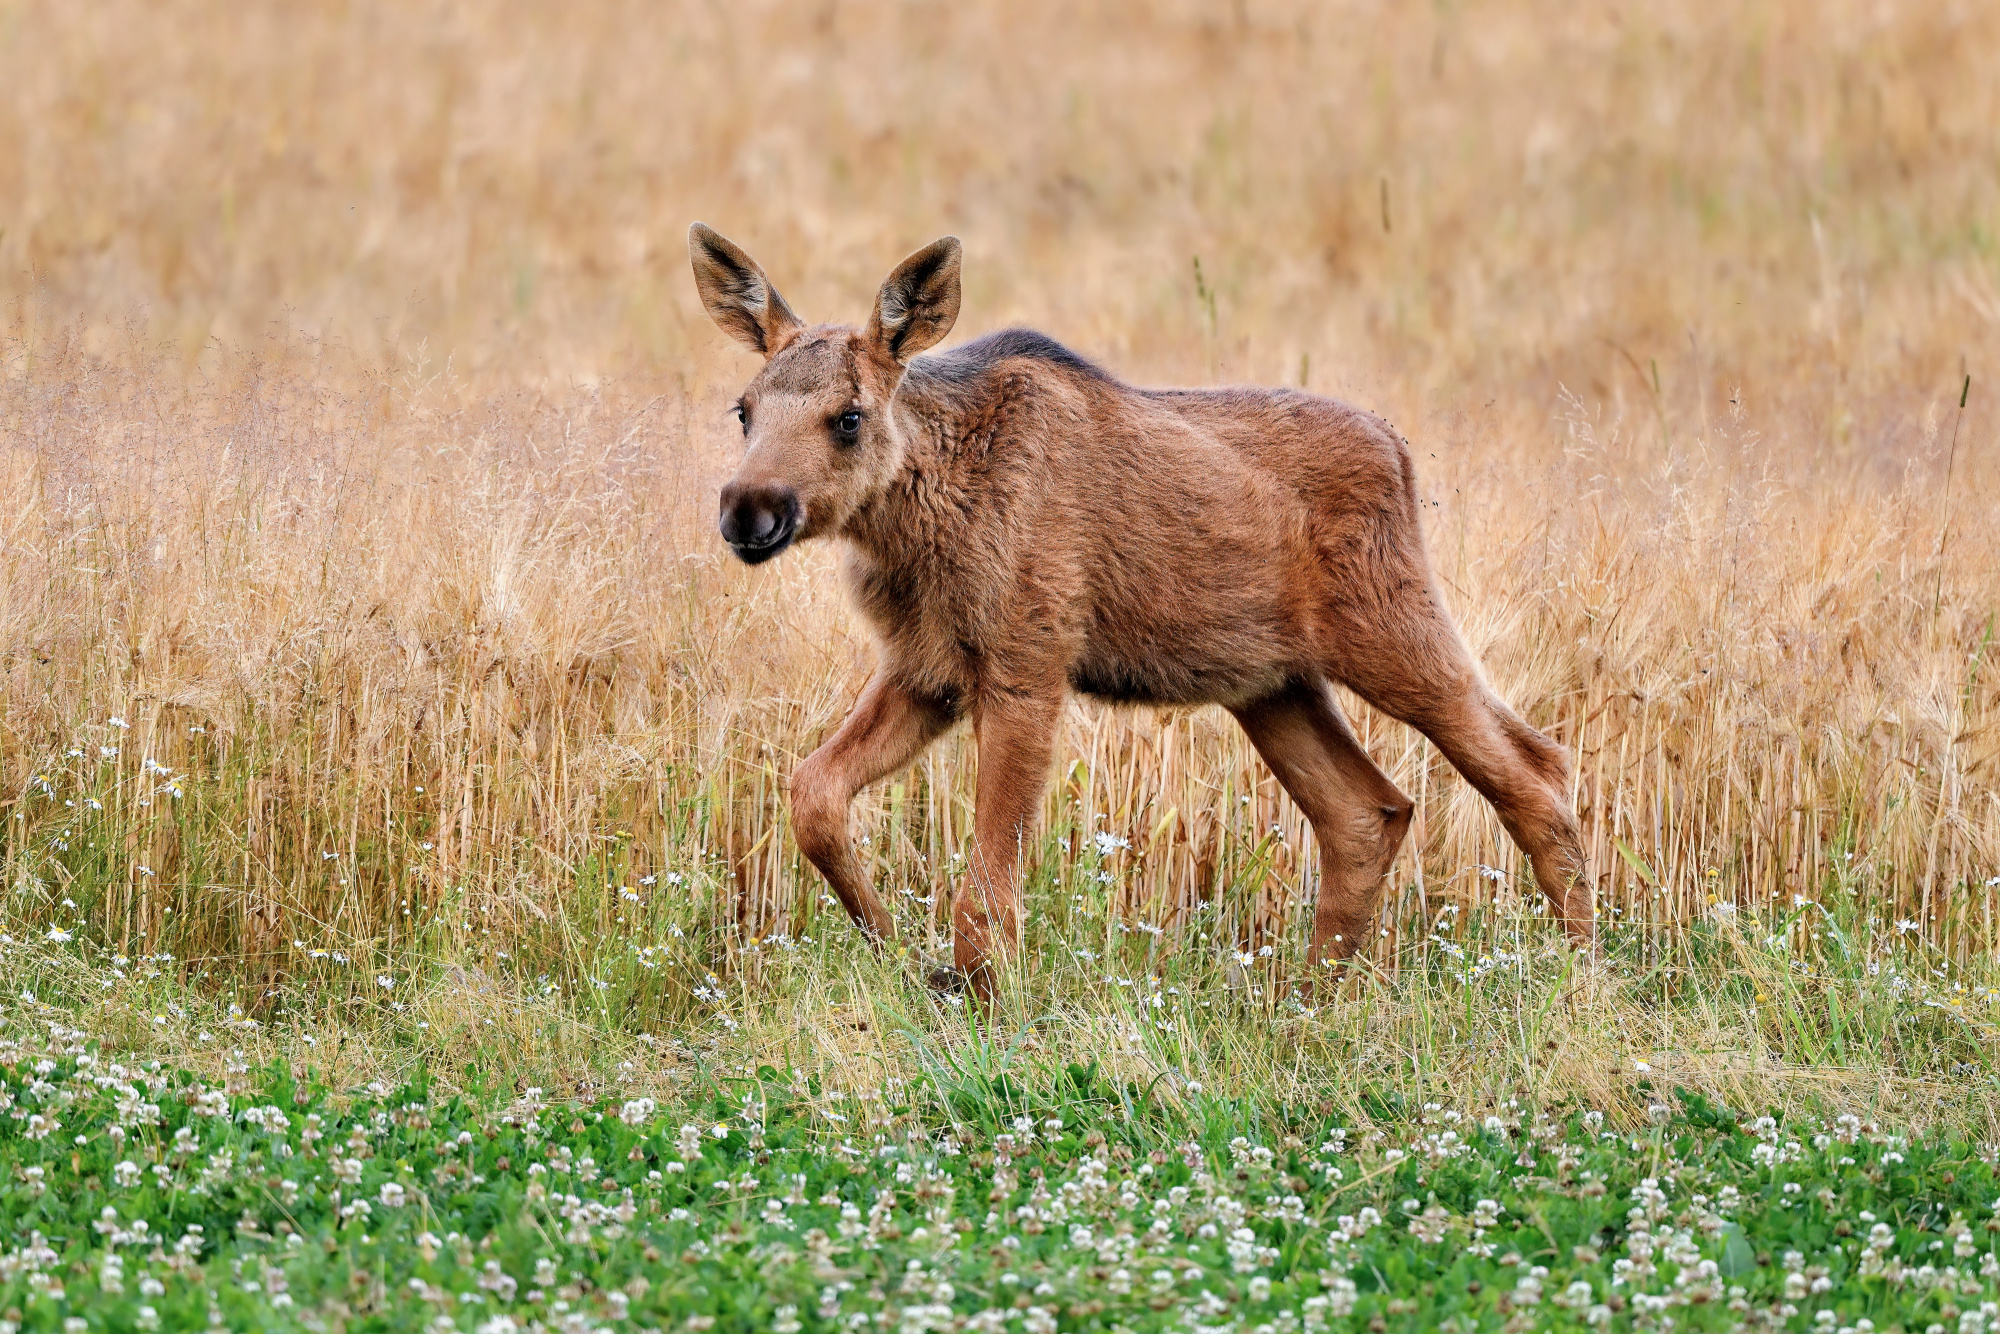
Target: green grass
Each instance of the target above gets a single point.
(1198, 1145)
(985, 1194)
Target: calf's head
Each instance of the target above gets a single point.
(820, 439)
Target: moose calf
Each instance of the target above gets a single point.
(1018, 523)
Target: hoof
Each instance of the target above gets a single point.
(948, 981)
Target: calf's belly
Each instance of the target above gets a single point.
(1172, 660)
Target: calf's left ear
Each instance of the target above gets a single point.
(918, 303)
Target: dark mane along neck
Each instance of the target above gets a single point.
(969, 362)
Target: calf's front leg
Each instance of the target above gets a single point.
(1016, 736)
(890, 727)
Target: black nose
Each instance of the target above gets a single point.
(758, 519)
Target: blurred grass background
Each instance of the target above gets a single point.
(361, 614)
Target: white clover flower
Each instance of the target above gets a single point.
(1576, 1296)
(391, 1195)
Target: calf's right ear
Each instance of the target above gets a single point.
(739, 298)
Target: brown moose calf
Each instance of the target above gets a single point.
(1019, 524)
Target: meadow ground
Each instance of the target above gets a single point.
(382, 723)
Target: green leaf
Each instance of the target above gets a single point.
(1737, 1256)
(1636, 862)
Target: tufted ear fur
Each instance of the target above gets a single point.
(918, 303)
(739, 298)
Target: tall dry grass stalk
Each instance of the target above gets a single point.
(359, 432)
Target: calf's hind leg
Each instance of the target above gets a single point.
(1421, 672)
(1358, 815)
(1523, 774)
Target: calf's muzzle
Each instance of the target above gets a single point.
(759, 519)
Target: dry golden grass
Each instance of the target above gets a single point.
(359, 432)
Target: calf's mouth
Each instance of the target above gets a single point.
(757, 552)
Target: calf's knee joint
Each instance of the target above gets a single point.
(819, 812)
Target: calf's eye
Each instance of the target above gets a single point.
(848, 423)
